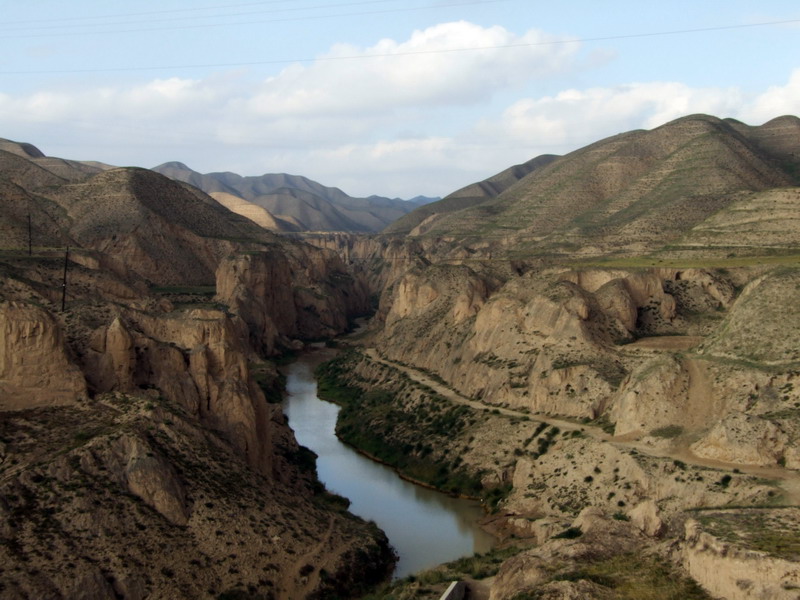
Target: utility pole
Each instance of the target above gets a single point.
(30, 236)
(64, 283)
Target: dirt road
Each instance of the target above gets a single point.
(789, 480)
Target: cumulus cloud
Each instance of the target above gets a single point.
(576, 117)
(156, 98)
(455, 63)
(402, 122)
(444, 67)
(776, 101)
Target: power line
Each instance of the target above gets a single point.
(258, 22)
(178, 18)
(144, 14)
(409, 53)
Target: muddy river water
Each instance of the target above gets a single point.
(425, 527)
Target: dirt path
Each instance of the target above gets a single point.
(297, 586)
(668, 343)
(789, 480)
(459, 398)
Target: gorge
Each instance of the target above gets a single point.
(425, 527)
(600, 346)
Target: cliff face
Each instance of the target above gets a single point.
(138, 456)
(35, 369)
(198, 359)
(559, 342)
(307, 293)
(743, 567)
(379, 260)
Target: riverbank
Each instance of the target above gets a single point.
(425, 527)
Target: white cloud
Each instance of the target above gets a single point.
(333, 99)
(337, 120)
(158, 99)
(573, 118)
(776, 101)
(433, 67)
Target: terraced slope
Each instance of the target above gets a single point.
(635, 191)
(471, 195)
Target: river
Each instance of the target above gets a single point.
(425, 527)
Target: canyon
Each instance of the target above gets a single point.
(601, 347)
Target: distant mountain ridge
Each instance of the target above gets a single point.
(296, 203)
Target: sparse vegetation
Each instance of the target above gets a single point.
(668, 431)
(775, 531)
(637, 577)
(376, 423)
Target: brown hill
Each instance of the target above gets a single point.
(301, 203)
(71, 170)
(470, 195)
(258, 214)
(636, 190)
(165, 231)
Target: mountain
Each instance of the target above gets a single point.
(470, 195)
(139, 455)
(633, 191)
(297, 203)
(604, 349)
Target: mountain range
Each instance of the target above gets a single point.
(628, 193)
(600, 346)
(282, 202)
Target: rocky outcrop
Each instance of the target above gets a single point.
(300, 292)
(149, 477)
(746, 440)
(594, 537)
(656, 396)
(536, 343)
(647, 517)
(259, 288)
(35, 369)
(730, 571)
(198, 359)
(379, 260)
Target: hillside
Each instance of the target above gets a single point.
(604, 351)
(139, 455)
(468, 196)
(298, 203)
(72, 170)
(633, 192)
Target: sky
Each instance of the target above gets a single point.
(387, 97)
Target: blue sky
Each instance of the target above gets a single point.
(388, 97)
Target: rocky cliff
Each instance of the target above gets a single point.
(612, 331)
(295, 292)
(35, 368)
(138, 455)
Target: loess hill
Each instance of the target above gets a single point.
(604, 349)
(631, 192)
(139, 456)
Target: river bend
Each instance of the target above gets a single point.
(425, 527)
